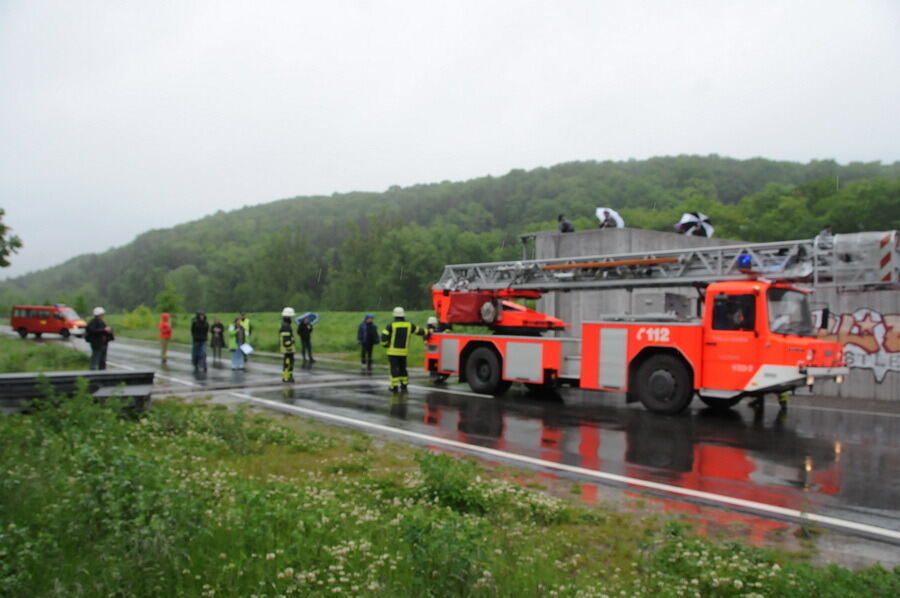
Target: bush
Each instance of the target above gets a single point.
(140, 317)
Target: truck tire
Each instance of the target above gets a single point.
(64, 333)
(720, 403)
(483, 372)
(37, 334)
(23, 332)
(663, 384)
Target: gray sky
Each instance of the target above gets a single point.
(121, 116)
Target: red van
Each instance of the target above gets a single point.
(38, 319)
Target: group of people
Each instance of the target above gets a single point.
(395, 338)
(286, 342)
(605, 219)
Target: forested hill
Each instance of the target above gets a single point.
(375, 250)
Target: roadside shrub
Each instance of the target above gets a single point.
(140, 317)
(446, 550)
(451, 482)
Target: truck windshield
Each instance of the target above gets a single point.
(789, 312)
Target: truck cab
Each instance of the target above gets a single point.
(759, 337)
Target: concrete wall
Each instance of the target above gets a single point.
(868, 322)
(580, 306)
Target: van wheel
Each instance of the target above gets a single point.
(64, 333)
(720, 403)
(483, 372)
(22, 332)
(663, 385)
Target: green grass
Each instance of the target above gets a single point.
(25, 355)
(200, 500)
(334, 335)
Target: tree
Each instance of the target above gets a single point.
(80, 304)
(168, 300)
(9, 243)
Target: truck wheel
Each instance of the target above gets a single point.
(663, 385)
(22, 332)
(37, 334)
(64, 333)
(720, 403)
(483, 372)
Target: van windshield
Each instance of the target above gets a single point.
(69, 314)
(789, 312)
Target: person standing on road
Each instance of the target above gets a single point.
(217, 339)
(245, 324)
(199, 334)
(236, 338)
(367, 336)
(304, 330)
(98, 335)
(165, 335)
(395, 337)
(286, 343)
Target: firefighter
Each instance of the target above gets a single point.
(286, 343)
(395, 338)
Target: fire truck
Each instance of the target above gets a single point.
(752, 333)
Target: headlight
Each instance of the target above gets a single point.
(839, 379)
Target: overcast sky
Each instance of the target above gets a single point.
(121, 116)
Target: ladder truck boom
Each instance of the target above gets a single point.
(755, 335)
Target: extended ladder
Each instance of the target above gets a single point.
(855, 260)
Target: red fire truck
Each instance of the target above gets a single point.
(754, 333)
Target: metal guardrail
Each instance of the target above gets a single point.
(17, 389)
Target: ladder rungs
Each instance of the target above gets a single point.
(613, 264)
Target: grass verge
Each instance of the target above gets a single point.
(17, 355)
(201, 500)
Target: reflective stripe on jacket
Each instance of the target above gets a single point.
(286, 336)
(396, 336)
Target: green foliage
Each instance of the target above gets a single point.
(9, 243)
(80, 304)
(200, 500)
(140, 317)
(24, 355)
(168, 300)
(359, 251)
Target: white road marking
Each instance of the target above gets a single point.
(463, 393)
(782, 512)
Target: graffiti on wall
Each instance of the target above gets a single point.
(871, 340)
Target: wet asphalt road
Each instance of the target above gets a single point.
(830, 459)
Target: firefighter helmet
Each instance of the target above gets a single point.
(398, 312)
(288, 312)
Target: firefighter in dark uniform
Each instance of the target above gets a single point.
(286, 343)
(395, 337)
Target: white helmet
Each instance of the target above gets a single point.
(398, 312)
(99, 311)
(288, 312)
(432, 320)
